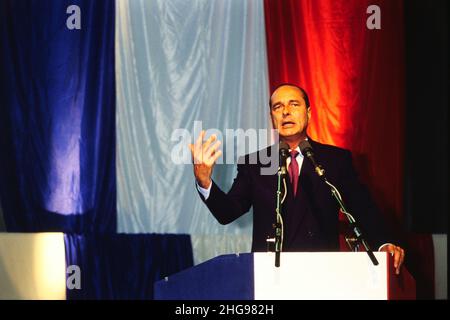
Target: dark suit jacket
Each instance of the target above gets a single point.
(311, 217)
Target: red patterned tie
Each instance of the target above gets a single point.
(293, 170)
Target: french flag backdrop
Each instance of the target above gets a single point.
(87, 118)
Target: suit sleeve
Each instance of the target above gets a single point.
(361, 205)
(227, 207)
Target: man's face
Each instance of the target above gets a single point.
(289, 112)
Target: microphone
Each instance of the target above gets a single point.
(306, 149)
(284, 154)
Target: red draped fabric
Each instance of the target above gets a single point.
(355, 78)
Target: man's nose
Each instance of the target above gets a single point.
(286, 110)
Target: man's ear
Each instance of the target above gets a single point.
(308, 113)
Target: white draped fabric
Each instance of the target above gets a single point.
(178, 62)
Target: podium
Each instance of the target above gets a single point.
(301, 276)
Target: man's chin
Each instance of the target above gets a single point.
(287, 134)
(294, 137)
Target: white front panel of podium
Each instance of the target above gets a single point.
(320, 276)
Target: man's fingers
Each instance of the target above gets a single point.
(212, 149)
(197, 148)
(397, 262)
(211, 158)
(216, 156)
(401, 260)
(208, 142)
(399, 256)
(199, 141)
(205, 152)
(196, 157)
(211, 154)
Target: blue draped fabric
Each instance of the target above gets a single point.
(125, 266)
(57, 146)
(57, 116)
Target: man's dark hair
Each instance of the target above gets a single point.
(305, 95)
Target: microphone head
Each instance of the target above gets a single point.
(283, 149)
(305, 147)
(283, 145)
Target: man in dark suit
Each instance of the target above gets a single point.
(310, 214)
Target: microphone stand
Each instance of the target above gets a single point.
(279, 221)
(354, 226)
(359, 239)
(352, 223)
(281, 196)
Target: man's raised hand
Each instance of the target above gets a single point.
(204, 157)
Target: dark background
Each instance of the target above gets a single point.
(426, 149)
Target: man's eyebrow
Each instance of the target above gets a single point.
(290, 101)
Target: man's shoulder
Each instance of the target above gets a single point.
(328, 149)
(263, 156)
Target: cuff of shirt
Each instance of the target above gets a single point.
(204, 192)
